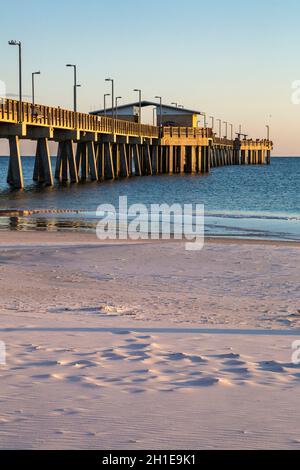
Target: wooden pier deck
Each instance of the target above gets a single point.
(97, 148)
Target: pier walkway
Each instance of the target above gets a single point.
(97, 148)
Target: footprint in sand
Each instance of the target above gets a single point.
(83, 364)
(201, 382)
(234, 362)
(175, 357)
(66, 411)
(139, 380)
(111, 355)
(141, 371)
(226, 356)
(136, 346)
(74, 378)
(122, 333)
(197, 359)
(237, 370)
(41, 377)
(42, 364)
(271, 366)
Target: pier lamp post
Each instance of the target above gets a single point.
(268, 131)
(112, 95)
(33, 90)
(212, 122)
(117, 99)
(19, 44)
(75, 85)
(220, 127)
(140, 107)
(154, 110)
(226, 128)
(104, 100)
(231, 131)
(204, 119)
(160, 108)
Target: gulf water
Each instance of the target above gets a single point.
(240, 201)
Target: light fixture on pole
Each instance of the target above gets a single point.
(160, 108)
(75, 86)
(154, 111)
(220, 127)
(19, 44)
(204, 119)
(116, 112)
(104, 100)
(226, 128)
(212, 122)
(112, 95)
(231, 131)
(33, 87)
(140, 106)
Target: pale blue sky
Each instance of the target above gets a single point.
(235, 60)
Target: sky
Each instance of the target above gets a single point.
(231, 59)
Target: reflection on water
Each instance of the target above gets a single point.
(254, 201)
(24, 224)
(229, 229)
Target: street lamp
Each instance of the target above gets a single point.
(231, 131)
(268, 131)
(140, 105)
(117, 99)
(212, 122)
(105, 96)
(75, 85)
(19, 44)
(33, 94)
(220, 127)
(112, 96)
(160, 106)
(226, 128)
(204, 118)
(154, 110)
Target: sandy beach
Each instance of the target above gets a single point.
(145, 345)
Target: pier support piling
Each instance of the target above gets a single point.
(15, 171)
(66, 168)
(124, 170)
(137, 160)
(42, 167)
(109, 170)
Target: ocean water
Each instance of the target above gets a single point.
(240, 201)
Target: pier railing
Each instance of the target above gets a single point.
(222, 141)
(58, 118)
(257, 144)
(39, 115)
(187, 132)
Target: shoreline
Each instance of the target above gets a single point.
(11, 237)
